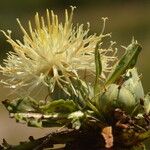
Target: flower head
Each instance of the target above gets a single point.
(52, 53)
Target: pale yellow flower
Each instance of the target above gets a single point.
(52, 53)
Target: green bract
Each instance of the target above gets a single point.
(116, 97)
(147, 103)
(133, 83)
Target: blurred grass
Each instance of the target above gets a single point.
(127, 18)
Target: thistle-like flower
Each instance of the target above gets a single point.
(52, 53)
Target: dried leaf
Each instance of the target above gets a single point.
(108, 136)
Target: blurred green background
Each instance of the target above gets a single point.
(127, 18)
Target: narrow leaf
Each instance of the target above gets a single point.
(98, 66)
(128, 61)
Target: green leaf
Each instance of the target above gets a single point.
(98, 66)
(41, 120)
(54, 113)
(30, 119)
(26, 104)
(82, 92)
(59, 106)
(128, 61)
(76, 119)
